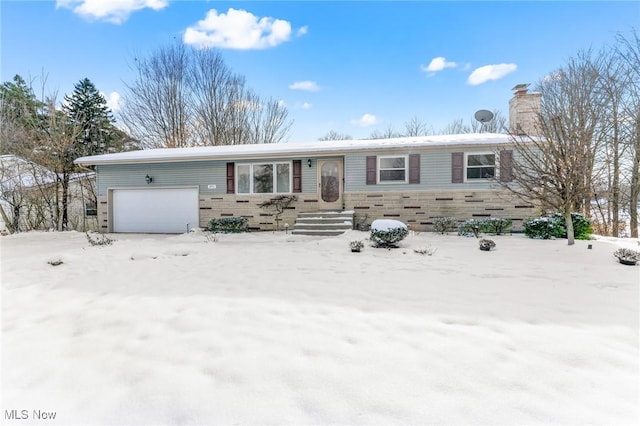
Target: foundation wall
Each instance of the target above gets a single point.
(417, 209)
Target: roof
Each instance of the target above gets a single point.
(161, 155)
(16, 172)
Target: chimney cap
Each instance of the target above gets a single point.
(521, 88)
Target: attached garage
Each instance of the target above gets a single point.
(156, 211)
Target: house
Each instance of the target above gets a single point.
(411, 179)
(28, 199)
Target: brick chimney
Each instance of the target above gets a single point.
(524, 108)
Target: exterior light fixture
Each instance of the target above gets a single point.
(309, 162)
(148, 179)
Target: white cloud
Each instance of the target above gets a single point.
(309, 86)
(114, 11)
(302, 31)
(365, 121)
(438, 64)
(305, 105)
(114, 101)
(282, 103)
(490, 72)
(237, 29)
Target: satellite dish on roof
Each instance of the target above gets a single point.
(483, 116)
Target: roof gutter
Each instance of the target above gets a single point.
(298, 151)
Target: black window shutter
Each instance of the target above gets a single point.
(231, 178)
(297, 175)
(457, 167)
(372, 171)
(506, 166)
(414, 168)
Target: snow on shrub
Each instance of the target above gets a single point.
(98, 239)
(554, 226)
(490, 225)
(228, 225)
(496, 225)
(627, 254)
(444, 224)
(471, 228)
(387, 232)
(543, 228)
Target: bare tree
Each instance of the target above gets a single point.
(456, 127)
(628, 49)
(417, 127)
(271, 122)
(185, 97)
(57, 154)
(556, 168)
(606, 183)
(12, 192)
(157, 105)
(387, 133)
(333, 135)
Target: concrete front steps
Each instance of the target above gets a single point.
(323, 223)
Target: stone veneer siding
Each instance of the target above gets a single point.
(417, 209)
(230, 205)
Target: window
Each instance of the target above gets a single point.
(90, 208)
(480, 166)
(260, 178)
(244, 178)
(392, 169)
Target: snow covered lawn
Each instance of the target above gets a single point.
(267, 328)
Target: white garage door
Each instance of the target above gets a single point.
(158, 210)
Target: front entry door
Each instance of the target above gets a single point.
(330, 184)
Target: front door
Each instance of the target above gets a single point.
(330, 184)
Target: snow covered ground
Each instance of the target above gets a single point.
(267, 328)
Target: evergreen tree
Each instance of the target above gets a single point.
(88, 112)
(19, 116)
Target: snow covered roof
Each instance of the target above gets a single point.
(160, 155)
(16, 172)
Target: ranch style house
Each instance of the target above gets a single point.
(411, 179)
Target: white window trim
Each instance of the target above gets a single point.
(466, 166)
(392, 182)
(275, 177)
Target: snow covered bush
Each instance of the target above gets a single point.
(487, 245)
(444, 224)
(625, 254)
(543, 228)
(388, 233)
(496, 225)
(491, 225)
(98, 239)
(471, 228)
(554, 226)
(356, 245)
(425, 250)
(228, 225)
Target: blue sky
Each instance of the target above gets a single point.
(349, 66)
